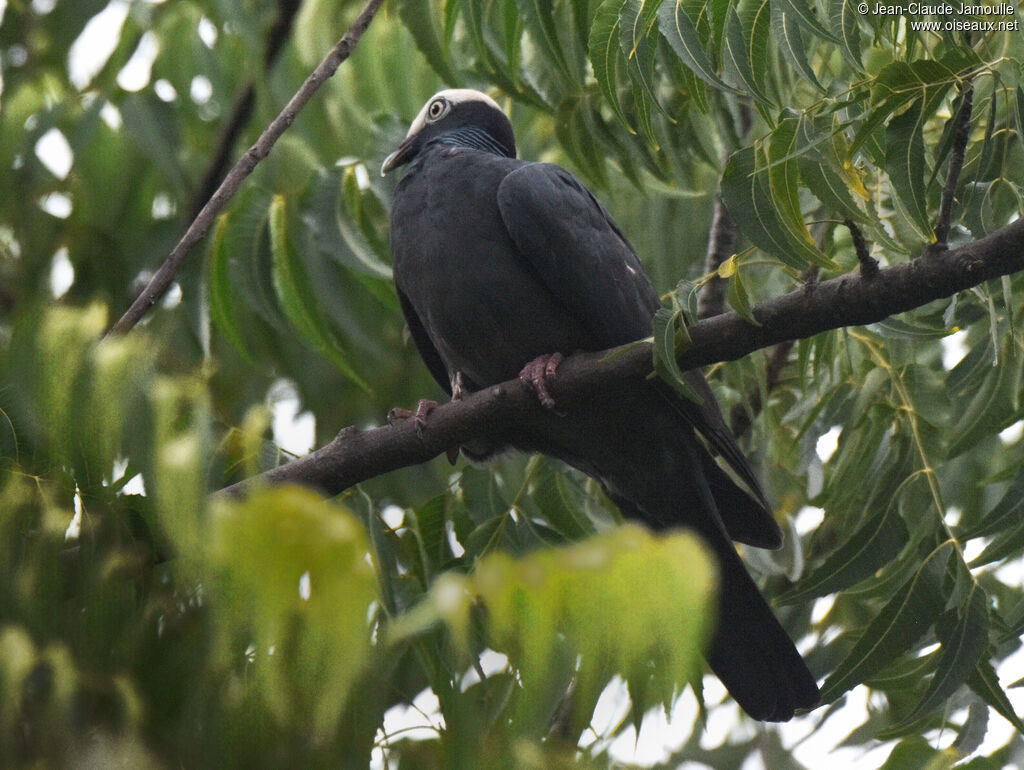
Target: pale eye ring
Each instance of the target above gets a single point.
(437, 109)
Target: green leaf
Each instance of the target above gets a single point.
(826, 170)
(739, 298)
(665, 363)
(747, 194)
(540, 21)
(636, 19)
(427, 525)
(985, 684)
(786, 31)
(993, 406)
(295, 293)
(561, 505)
(962, 648)
(331, 229)
(911, 611)
(418, 17)
(1004, 514)
(604, 52)
(843, 18)
(1019, 110)
(905, 164)
(917, 754)
(783, 182)
(222, 289)
(746, 42)
(875, 543)
(804, 15)
(684, 40)
(639, 56)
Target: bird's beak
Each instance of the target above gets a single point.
(399, 157)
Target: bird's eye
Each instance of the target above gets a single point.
(437, 109)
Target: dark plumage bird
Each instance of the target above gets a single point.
(503, 266)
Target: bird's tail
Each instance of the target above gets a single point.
(751, 652)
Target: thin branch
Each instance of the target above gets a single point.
(165, 275)
(721, 246)
(956, 164)
(276, 36)
(499, 411)
(868, 265)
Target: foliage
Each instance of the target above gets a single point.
(156, 626)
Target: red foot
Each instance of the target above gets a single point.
(423, 408)
(539, 373)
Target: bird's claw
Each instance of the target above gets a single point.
(423, 408)
(457, 386)
(539, 373)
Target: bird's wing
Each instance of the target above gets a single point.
(584, 259)
(424, 345)
(578, 252)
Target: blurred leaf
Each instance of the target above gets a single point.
(419, 18)
(664, 584)
(222, 289)
(539, 16)
(296, 294)
(309, 648)
(917, 754)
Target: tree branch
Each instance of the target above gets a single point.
(961, 133)
(868, 265)
(163, 277)
(848, 300)
(278, 33)
(721, 245)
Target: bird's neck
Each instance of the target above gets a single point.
(473, 138)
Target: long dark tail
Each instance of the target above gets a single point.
(652, 466)
(751, 652)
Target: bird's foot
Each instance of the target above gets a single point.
(457, 386)
(539, 373)
(423, 408)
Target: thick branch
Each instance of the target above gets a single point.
(849, 300)
(163, 277)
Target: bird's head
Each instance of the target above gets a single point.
(457, 116)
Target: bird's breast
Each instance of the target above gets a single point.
(482, 304)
